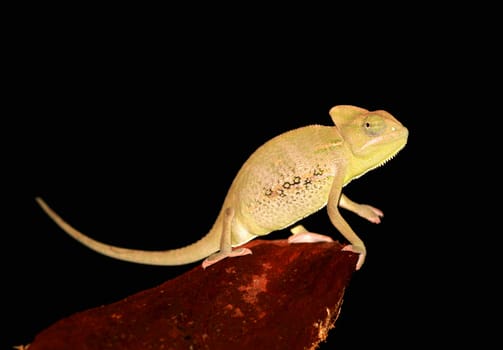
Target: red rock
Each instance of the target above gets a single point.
(283, 296)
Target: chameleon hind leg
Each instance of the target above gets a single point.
(301, 235)
(226, 250)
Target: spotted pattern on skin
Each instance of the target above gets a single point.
(289, 196)
(298, 183)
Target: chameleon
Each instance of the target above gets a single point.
(286, 179)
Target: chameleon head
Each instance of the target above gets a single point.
(373, 137)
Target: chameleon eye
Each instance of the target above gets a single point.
(373, 125)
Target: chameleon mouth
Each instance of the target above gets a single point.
(398, 135)
(395, 144)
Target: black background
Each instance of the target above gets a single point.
(134, 131)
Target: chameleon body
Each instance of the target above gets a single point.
(288, 178)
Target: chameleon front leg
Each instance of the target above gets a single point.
(336, 199)
(366, 211)
(301, 235)
(226, 250)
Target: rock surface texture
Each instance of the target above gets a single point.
(283, 296)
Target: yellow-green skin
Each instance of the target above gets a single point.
(289, 177)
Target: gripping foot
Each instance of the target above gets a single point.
(214, 258)
(301, 235)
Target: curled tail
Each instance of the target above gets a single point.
(185, 255)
